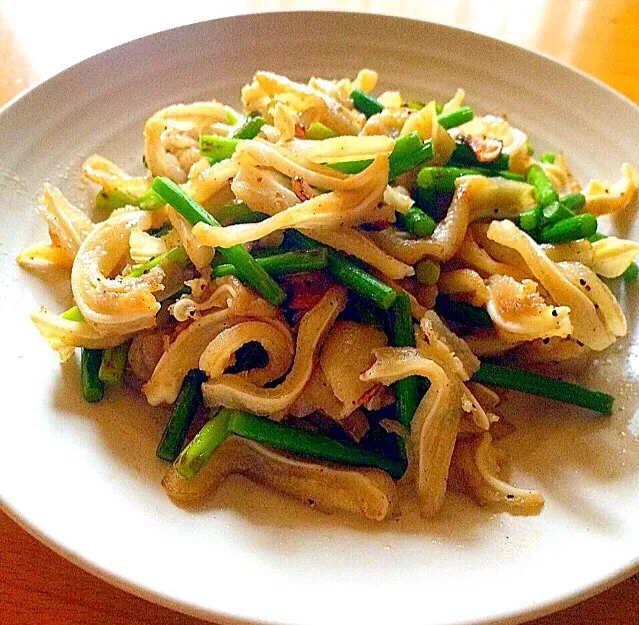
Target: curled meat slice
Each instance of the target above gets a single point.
(291, 165)
(222, 292)
(599, 294)
(143, 246)
(478, 258)
(43, 254)
(580, 251)
(200, 255)
(110, 177)
(476, 197)
(389, 122)
(425, 123)
(328, 211)
(340, 149)
(263, 190)
(64, 335)
(182, 355)
(398, 199)
(465, 284)
(369, 492)
(235, 392)
(487, 344)
(211, 181)
(434, 329)
(560, 176)
(475, 471)
(366, 80)
(114, 305)
(145, 352)
(317, 395)
(171, 136)
(588, 326)
(268, 88)
(553, 350)
(356, 243)
(347, 352)
(68, 225)
(612, 256)
(604, 199)
(520, 313)
(455, 102)
(435, 423)
(273, 335)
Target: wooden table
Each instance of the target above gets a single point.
(37, 40)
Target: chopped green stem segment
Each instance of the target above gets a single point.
(543, 190)
(318, 131)
(199, 451)
(350, 274)
(510, 175)
(427, 272)
(110, 200)
(351, 167)
(310, 444)
(530, 220)
(409, 152)
(455, 118)
(571, 229)
(464, 155)
(632, 273)
(543, 386)
(418, 106)
(555, 212)
(247, 268)
(73, 314)
(401, 165)
(92, 386)
(216, 148)
(547, 157)
(565, 207)
(237, 213)
(417, 222)
(250, 128)
(113, 364)
(573, 201)
(443, 178)
(176, 255)
(184, 410)
(282, 264)
(365, 103)
(295, 440)
(150, 201)
(406, 390)
(439, 108)
(406, 145)
(359, 309)
(461, 312)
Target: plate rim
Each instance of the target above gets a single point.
(140, 590)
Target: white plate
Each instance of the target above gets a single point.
(85, 480)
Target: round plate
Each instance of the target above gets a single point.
(84, 478)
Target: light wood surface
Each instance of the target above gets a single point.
(600, 37)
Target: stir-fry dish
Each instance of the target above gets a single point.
(327, 288)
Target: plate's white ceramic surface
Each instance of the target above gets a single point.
(85, 478)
